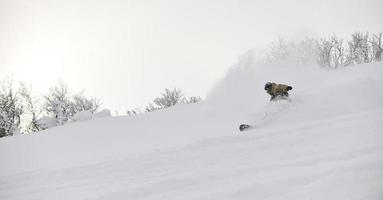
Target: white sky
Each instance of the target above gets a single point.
(126, 52)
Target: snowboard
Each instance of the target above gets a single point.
(244, 127)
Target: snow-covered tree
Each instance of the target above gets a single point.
(61, 105)
(31, 108)
(151, 108)
(169, 98)
(81, 103)
(57, 103)
(11, 109)
(193, 99)
(133, 111)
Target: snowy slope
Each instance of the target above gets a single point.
(327, 143)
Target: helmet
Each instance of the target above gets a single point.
(268, 86)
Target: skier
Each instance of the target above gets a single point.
(277, 90)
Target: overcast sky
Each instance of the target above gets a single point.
(125, 52)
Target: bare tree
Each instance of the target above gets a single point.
(355, 48)
(331, 52)
(377, 46)
(338, 54)
(324, 50)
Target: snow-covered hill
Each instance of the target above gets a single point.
(327, 143)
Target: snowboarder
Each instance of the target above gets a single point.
(277, 90)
